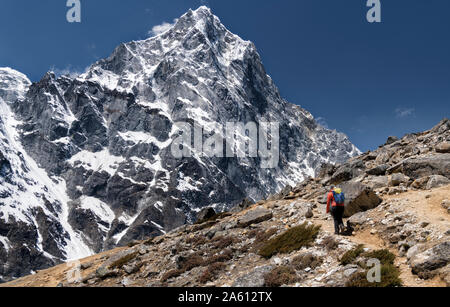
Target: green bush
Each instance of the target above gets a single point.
(351, 255)
(291, 240)
(384, 255)
(390, 277)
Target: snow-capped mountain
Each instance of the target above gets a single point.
(86, 163)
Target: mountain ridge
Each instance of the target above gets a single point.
(398, 209)
(101, 142)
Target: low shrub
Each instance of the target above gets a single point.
(223, 242)
(197, 240)
(384, 255)
(291, 240)
(211, 272)
(390, 277)
(282, 275)
(225, 256)
(191, 262)
(308, 260)
(330, 243)
(171, 274)
(186, 265)
(351, 255)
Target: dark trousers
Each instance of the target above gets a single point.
(337, 213)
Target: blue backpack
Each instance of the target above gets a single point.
(339, 198)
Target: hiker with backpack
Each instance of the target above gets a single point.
(335, 205)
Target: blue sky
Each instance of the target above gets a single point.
(369, 81)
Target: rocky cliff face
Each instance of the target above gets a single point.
(86, 162)
(397, 200)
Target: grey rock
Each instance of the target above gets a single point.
(443, 147)
(431, 259)
(438, 164)
(379, 170)
(391, 140)
(397, 179)
(358, 219)
(437, 181)
(420, 183)
(350, 269)
(104, 272)
(205, 214)
(254, 279)
(358, 198)
(347, 172)
(446, 204)
(255, 216)
(377, 182)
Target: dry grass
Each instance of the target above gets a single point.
(122, 261)
(211, 272)
(223, 242)
(188, 264)
(308, 260)
(282, 275)
(330, 243)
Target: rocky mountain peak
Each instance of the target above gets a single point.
(13, 84)
(101, 143)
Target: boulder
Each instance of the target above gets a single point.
(414, 250)
(301, 209)
(420, 183)
(437, 164)
(254, 279)
(437, 181)
(358, 219)
(205, 214)
(379, 170)
(424, 263)
(246, 203)
(347, 172)
(391, 140)
(443, 148)
(358, 198)
(256, 216)
(446, 204)
(397, 178)
(377, 182)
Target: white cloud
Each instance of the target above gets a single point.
(404, 112)
(159, 29)
(322, 121)
(68, 71)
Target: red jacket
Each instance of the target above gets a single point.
(332, 202)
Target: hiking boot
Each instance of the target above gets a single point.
(341, 228)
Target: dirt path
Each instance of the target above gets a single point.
(424, 204)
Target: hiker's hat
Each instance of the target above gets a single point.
(338, 190)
